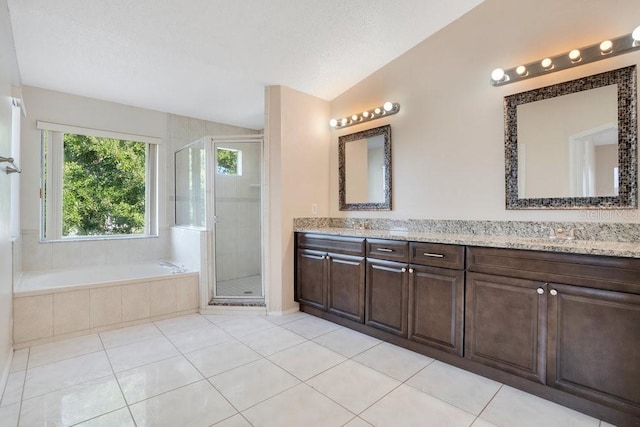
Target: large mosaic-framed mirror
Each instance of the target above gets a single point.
(365, 170)
(573, 145)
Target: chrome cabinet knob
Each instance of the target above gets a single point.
(553, 292)
(411, 270)
(404, 270)
(540, 291)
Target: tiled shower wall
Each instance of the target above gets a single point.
(238, 210)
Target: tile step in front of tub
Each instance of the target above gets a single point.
(238, 302)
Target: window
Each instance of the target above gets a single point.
(96, 183)
(229, 161)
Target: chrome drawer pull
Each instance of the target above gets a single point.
(384, 250)
(433, 255)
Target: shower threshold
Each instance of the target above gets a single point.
(237, 302)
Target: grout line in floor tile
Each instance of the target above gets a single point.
(70, 386)
(129, 343)
(98, 416)
(24, 383)
(363, 351)
(268, 398)
(117, 381)
(418, 371)
(490, 400)
(224, 397)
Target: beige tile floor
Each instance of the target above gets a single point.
(234, 371)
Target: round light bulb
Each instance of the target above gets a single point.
(354, 117)
(344, 121)
(365, 114)
(333, 123)
(377, 110)
(606, 46)
(636, 34)
(521, 70)
(574, 55)
(497, 75)
(547, 63)
(387, 106)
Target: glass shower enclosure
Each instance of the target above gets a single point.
(218, 187)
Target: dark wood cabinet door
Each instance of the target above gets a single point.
(506, 321)
(311, 280)
(594, 345)
(387, 296)
(436, 307)
(346, 286)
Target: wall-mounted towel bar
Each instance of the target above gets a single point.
(11, 167)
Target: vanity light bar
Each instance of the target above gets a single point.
(387, 109)
(595, 52)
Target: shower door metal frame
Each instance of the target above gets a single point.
(211, 219)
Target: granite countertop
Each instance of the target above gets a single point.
(590, 247)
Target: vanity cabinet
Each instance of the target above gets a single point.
(387, 286)
(436, 296)
(506, 324)
(330, 273)
(563, 326)
(594, 344)
(311, 278)
(576, 329)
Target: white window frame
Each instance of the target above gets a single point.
(52, 141)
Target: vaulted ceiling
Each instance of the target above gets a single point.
(211, 59)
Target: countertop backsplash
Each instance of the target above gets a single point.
(592, 231)
(608, 239)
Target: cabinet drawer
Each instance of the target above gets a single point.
(437, 255)
(601, 272)
(334, 244)
(388, 249)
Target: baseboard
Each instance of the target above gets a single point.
(284, 312)
(5, 372)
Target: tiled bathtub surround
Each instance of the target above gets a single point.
(76, 253)
(615, 239)
(53, 314)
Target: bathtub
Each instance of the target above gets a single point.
(33, 282)
(56, 304)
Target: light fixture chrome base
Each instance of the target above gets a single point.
(388, 109)
(573, 58)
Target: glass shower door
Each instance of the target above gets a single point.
(237, 177)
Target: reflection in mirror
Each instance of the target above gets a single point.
(365, 170)
(568, 145)
(573, 145)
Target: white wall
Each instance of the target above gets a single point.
(297, 144)
(447, 139)
(8, 78)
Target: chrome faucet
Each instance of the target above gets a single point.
(175, 268)
(562, 233)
